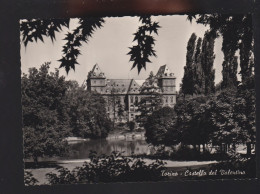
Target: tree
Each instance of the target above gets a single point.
(117, 107)
(207, 61)
(236, 31)
(45, 122)
(151, 99)
(229, 47)
(193, 120)
(246, 49)
(229, 72)
(87, 113)
(35, 29)
(160, 128)
(237, 34)
(198, 74)
(187, 86)
(226, 130)
(244, 114)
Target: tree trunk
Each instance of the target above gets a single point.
(248, 148)
(223, 148)
(35, 159)
(194, 147)
(199, 148)
(234, 146)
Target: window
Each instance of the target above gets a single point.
(131, 99)
(172, 99)
(136, 99)
(166, 99)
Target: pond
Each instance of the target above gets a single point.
(81, 150)
(103, 146)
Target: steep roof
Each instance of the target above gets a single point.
(96, 72)
(134, 87)
(164, 71)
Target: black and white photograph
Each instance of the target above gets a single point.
(144, 98)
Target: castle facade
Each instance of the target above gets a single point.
(123, 95)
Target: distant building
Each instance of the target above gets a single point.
(122, 95)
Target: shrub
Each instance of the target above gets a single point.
(112, 168)
(29, 180)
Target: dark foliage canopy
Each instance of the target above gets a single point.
(36, 29)
(141, 52)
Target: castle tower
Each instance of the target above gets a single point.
(166, 81)
(96, 80)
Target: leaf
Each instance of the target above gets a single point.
(86, 28)
(36, 29)
(140, 53)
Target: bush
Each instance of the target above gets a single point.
(236, 162)
(29, 180)
(112, 168)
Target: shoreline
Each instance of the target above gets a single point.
(113, 136)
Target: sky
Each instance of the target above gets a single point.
(110, 44)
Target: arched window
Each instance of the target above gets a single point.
(166, 99)
(131, 99)
(171, 98)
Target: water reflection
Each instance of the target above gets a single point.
(103, 146)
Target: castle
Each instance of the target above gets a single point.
(126, 93)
